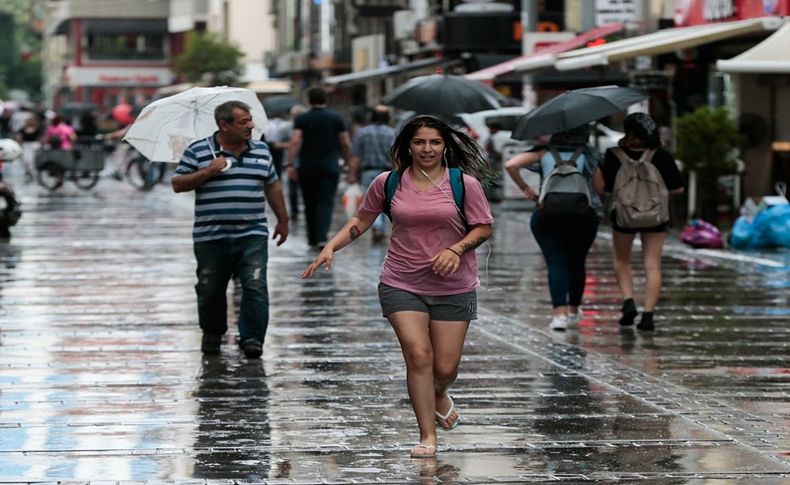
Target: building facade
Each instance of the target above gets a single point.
(100, 52)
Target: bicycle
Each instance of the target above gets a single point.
(143, 174)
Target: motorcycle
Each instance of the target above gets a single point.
(10, 212)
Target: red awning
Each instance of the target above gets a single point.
(488, 74)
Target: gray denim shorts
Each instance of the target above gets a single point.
(461, 307)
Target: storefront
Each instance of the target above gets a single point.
(761, 78)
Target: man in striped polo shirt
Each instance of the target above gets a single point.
(233, 176)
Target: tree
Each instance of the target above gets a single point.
(707, 144)
(209, 57)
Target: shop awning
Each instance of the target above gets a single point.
(543, 56)
(769, 56)
(661, 42)
(381, 73)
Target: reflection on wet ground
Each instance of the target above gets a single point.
(101, 377)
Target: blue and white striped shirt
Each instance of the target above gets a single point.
(231, 204)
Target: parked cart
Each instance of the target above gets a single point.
(81, 165)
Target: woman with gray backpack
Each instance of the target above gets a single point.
(641, 176)
(566, 220)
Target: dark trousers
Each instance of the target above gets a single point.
(319, 189)
(293, 198)
(565, 244)
(217, 262)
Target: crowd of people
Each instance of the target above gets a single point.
(428, 178)
(36, 128)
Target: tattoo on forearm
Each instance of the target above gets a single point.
(353, 232)
(471, 246)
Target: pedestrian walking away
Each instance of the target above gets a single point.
(639, 153)
(566, 220)
(319, 139)
(371, 149)
(230, 233)
(282, 141)
(30, 139)
(428, 281)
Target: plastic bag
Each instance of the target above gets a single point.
(702, 234)
(770, 228)
(352, 199)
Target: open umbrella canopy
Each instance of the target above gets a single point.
(167, 126)
(76, 108)
(575, 108)
(444, 95)
(279, 104)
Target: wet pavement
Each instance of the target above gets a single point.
(102, 379)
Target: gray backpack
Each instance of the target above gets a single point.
(565, 191)
(640, 197)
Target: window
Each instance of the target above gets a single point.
(127, 47)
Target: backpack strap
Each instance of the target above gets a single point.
(459, 191)
(390, 186)
(558, 160)
(456, 184)
(647, 155)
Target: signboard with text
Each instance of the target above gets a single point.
(617, 11)
(118, 76)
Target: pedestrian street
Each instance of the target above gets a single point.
(102, 378)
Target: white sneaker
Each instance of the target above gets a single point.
(574, 318)
(559, 322)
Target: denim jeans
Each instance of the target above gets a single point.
(565, 244)
(319, 188)
(217, 262)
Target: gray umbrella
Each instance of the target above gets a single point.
(279, 104)
(575, 108)
(444, 95)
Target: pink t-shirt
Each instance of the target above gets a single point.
(424, 224)
(62, 131)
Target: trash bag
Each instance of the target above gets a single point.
(352, 199)
(702, 234)
(769, 228)
(772, 226)
(741, 233)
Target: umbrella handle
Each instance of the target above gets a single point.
(214, 154)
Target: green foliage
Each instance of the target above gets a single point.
(707, 142)
(209, 57)
(19, 33)
(27, 76)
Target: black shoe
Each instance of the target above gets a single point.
(252, 348)
(629, 313)
(211, 344)
(646, 323)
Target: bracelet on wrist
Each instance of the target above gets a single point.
(455, 252)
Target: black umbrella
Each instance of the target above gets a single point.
(280, 104)
(444, 95)
(575, 108)
(76, 108)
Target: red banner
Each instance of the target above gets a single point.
(697, 12)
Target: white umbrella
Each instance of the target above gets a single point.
(167, 126)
